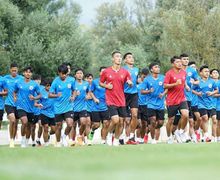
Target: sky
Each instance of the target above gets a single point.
(89, 9)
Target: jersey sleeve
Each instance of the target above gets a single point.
(167, 78)
(53, 88)
(128, 76)
(16, 87)
(103, 76)
(144, 84)
(92, 87)
(37, 88)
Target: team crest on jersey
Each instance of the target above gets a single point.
(69, 85)
(84, 87)
(122, 76)
(31, 88)
(59, 86)
(189, 74)
(174, 78)
(136, 73)
(160, 83)
(210, 85)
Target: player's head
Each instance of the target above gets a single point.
(63, 71)
(47, 83)
(144, 73)
(214, 73)
(79, 74)
(89, 78)
(154, 68)
(27, 72)
(176, 62)
(37, 78)
(13, 69)
(204, 71)
(101, 69)
(184, 59)
(68, 66)
(128, 58)
(192, 64)
(116, 57)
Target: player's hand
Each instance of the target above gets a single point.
(77, 92)
(31, 97)
(72, 98)
(161, 95)
(178, 82)
(96, 101)
(88, 96)
(151, 90)
(40, 106)
(130, 83)
(59, 94)
(209, 93)
(15, 98)
(199, 94)
(187, 88)
(109, 86)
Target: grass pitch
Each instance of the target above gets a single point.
(161, 161)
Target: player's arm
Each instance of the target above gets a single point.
(129, 81)
(169, 86)
(53, 93)
(102, 82)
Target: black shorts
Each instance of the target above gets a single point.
(159, 114)
(22, 113)
(173, 110)
(47, 120)
(176, 119)
(120, 111)
(190, 109)
(78, 115)
(131, 100)
(1, 114)
(11, 109)
(142, 113)
(128, 112)
(194, 109)
(64, 116)
(218, 115)
(209, 112)
(100, 116)
(36, 119)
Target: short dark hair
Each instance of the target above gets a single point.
(36, 77)
(152, 65)
(47, 81)
(62, 69)
(115, 52)
(88, 75)
(28, 68)
(101, 68)
(12, 65)
(203, 67)
(126, 54)
(191, 63)
(184, 55)
(79, 69)
(145, 71)
(214, 69)
(172, 60)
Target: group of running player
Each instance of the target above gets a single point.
(125, 103)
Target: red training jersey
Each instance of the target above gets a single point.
(115, 96)
(176, 94)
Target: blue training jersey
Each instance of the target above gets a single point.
(63, 103)
(99, 93)
(24, 90)
(48, 104)
(10, 81)
(35, 109)
(142, 98)
(206, 101)
(154, 101)
(134, 75)
(191, 73)
(80, 103)
(3, 86)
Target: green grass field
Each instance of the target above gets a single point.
(161, 161)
